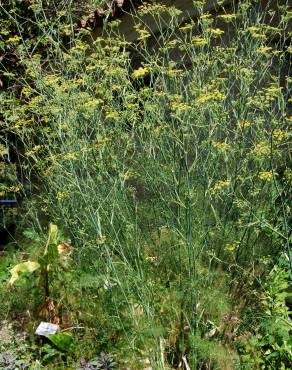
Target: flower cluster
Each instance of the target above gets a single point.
(266, 175)
(209, 96)
(62, 195)
(140, 72)
(220, 185)
(221, 146)
(199, 41)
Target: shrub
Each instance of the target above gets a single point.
(171, 178)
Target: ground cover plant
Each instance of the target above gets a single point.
(166, 186)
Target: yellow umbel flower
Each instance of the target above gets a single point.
(199, 41)
(101, 240)
(214, 95)
(91, 68)
(50, 80)
(264, 50)
(279, 136)
(244, 124)
(231, 247)
(140, 72)
(26, 91)
(179, 107)
(34, 150)
(143, 34)
(220, 185)
(13, 40)
(155, 9)
(72, 156)
(256, 32)
(222, 146)
(266, 175)
(112, 115)
(227, 17)
(215, 32)
(262, 149)
(14, 189)
(186, 27)
(93, 103)
(62, 195)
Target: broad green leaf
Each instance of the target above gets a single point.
(62, 341)
(28, 266)
(53, 234)
(52, 237)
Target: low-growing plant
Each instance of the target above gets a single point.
(271, 346)
(51, 265)
(103, 361)
(9, 362)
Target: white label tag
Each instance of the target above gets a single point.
(46, 328)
